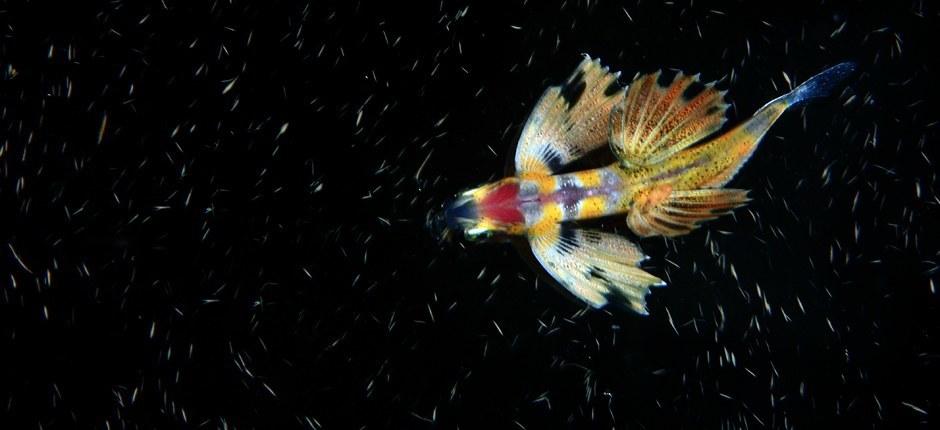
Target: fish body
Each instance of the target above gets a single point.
(672, 166)
(524, 205)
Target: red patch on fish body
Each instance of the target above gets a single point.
(501, 204)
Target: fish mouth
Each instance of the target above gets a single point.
(452, 217)
(460, 213)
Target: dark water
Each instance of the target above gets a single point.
(215, 218)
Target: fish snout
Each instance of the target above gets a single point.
(452, 218)
(460, 212)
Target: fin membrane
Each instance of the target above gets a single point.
(593, 265)
(680, 212)
(569, 120)
(659, 118)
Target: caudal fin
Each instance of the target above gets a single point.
(733, 148)
(822, 85)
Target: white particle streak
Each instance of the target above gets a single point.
(229, 86)
(18, 259)
(102, 127)
(914, 408)
(420, 168)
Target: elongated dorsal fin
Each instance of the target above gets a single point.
(569, 120)
(594, 265)
(659, 118)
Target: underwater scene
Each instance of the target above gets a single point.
(464, 214)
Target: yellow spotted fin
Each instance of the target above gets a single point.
(594, 265)
(679, 212)
(660, 117)
(569, 120)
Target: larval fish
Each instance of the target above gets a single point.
(669, 178)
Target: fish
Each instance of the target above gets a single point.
(673, 160)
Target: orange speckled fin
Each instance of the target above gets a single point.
(569, 120)
(592, 265)
(682, 211)
(659, 118)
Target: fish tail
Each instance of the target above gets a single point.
(732, 149)
(822, 85)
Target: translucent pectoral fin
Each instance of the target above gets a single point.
(594, 265)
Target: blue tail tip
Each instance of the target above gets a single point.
(824, 83)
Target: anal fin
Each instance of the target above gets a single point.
(664, 212)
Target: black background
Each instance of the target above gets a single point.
(218, 209)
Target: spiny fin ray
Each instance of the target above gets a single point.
(656, 121)
(593, 265)
(569, 120)
(683, 211)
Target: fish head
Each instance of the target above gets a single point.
(485, 212)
